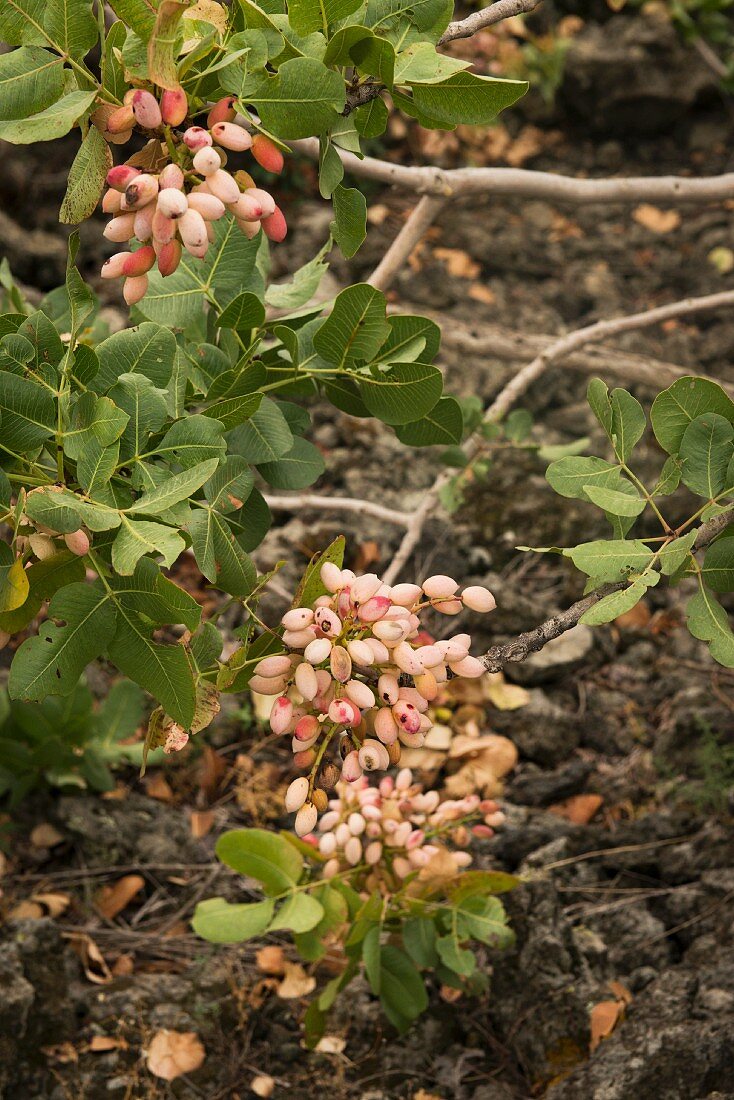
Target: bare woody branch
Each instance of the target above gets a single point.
(487, 17)
(519, 648)
(518, 385)
(307, 501)
(421, 218)
(526, 184)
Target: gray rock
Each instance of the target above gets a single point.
(539, 788)
(543, 731)
(545, 979)
(676, 1042)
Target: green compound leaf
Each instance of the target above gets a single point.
(706, 449)
(444, 424)
(718, 564)
(86, 178)
(404, 393)
(299, 913)
(261, 855)
(51, 123)
(302, 99)
(81, 621)
(674, 409)
(219, 921)
(708, 621)
(349, 227)
(355, 329)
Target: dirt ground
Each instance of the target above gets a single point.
(635, 906)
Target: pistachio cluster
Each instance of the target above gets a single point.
(396, 827)
(360, 675)
(173, 208)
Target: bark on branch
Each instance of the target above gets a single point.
(532, 641)
(524, 183)
(487, 17)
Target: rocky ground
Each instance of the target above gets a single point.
(631, 906)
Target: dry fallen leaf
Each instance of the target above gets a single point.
(93, 961)
(450, 994)
(621, 992)
(45, 835)
(481, 293)
(201, 823)
(495, 752)
(458, 263)
(656, 220)
(63, 1052)
(296, 983)
(271, 960)
(262, 1085)
(604, 1019)
(158, 787)
(112, 899)
(502, 695)
(100, 1044)
(41, 905)
(173, 1053)
(579, 809)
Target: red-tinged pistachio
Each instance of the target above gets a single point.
(207, 161)
(281, 714)
(137, 263)
(143, 224)
(121, 176)
(77, 542)
(112, 268)
(267, 154)
(231, 136)
(196, 137)
(275, 227)
(121, 120)
(222, 111)
(174, 106)
(250, 229)
(171, 176)
(246, 208)
(120, 229)
(221, 184)
(134, 289)
(111, 201)
(351, 768)
(164, 229)
(140, 191)
(192, 228)
(209, 206)
(266, 200)
(172, 203)
(146, 110)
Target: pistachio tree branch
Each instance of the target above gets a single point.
(524, 183)
(518, 385)
(487, 17)
(308, 501)
(421, 218)
(519, 648)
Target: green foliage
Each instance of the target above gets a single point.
(298, 69)
(396, 938)
(693, 421)
(147, 442)
(68, 742)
